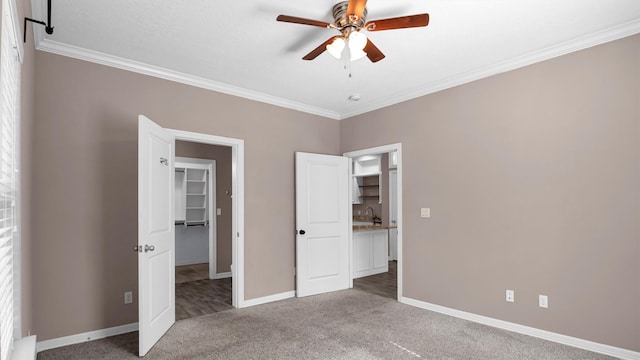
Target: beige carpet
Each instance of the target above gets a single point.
(348, 324)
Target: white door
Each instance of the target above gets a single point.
(156, 272)
(322, 222)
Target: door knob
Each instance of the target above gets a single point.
(301, 232)
(137, 248)
(149, 248)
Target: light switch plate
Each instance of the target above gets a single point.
(425, 212)
(543, 301)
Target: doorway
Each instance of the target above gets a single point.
(203, 240)
(219, 284)
(376, 220)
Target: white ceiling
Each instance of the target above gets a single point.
(237, 47)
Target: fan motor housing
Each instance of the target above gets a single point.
(341, 19)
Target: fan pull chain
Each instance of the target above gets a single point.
(347, 61)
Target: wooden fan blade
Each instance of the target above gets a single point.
(402, 22)
(373, 53)
(356, 7)
(297, 20)
(319, 50)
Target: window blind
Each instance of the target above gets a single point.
(9, 96)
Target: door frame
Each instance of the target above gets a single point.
(391, 172)
(237, 203)
(210, 166)
(375, 151)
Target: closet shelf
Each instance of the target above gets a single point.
(191, 195)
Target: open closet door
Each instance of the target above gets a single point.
(322, 221)
(156, 268)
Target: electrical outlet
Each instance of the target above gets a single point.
(511, 296)
(128, 297)
(543, 301)
(218, 211)
(425, 212)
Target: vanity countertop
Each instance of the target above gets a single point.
(371, 227)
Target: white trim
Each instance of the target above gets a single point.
(171, 75)
(393, 171)
(86, 336)
(526, 330)
(195, 262)
(15, 20)
(223, 275)
(25, 349)
(210, 166)
(580, 43)
(370, 151)
(12, 298)
(270, 298)
(237, 191)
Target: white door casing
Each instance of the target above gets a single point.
(393, 214)
(210, 166)
(399, 233)
(156, 247)
(237, 199)
(322, 221)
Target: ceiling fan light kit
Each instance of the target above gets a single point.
(356, 44)
(336, 47)
(350, 19)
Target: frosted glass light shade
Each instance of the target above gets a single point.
(336, 47)
(357, 41)
(357, 54)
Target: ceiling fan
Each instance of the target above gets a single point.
(350, 19)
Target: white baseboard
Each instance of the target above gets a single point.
(192, 262)
(24, 349)
(526, 330)
(222, 275)
(268, 299)
(84, 337)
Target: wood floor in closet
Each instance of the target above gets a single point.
(197, 295)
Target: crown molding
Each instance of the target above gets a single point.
(162, 73)
(581, 43)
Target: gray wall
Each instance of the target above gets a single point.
(533, 179)
(192, 245)
(85, 190)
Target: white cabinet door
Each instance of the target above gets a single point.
(362, 261)
(322, 221)
(370, 255)
(380, 257)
